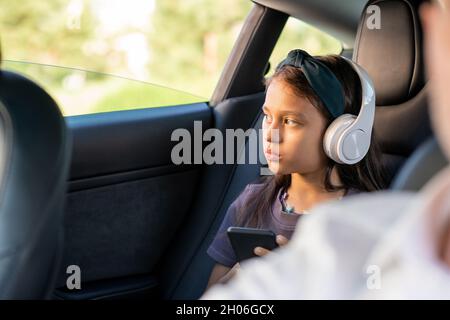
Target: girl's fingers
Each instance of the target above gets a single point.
(261, 251)
(282, 240)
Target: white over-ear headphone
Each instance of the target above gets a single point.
(347, 138)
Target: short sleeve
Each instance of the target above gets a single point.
(220, 249)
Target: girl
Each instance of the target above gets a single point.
(298, 108)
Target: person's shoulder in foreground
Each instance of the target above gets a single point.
(349, 250)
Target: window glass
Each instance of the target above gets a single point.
(105, 55)
(299, 35)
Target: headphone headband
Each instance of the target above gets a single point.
(367, 111)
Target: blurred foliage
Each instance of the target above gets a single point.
(92, 92)
(38, 31)
(133, 94)
(192, 40)
(298, 35)
(188, 42)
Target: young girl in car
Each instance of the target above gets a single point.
(303, 98)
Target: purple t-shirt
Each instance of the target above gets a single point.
(277, 221)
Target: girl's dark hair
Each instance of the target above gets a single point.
(366, 175)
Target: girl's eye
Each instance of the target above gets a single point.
(290, 122)
(267, 118)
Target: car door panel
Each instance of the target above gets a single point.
(126, 199)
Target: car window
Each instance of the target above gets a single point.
(298, 35)
(106, 55)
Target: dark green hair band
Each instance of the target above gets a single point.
(321, 79)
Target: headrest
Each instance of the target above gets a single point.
(392, 54)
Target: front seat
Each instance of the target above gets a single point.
(423, 165)
(34, 158)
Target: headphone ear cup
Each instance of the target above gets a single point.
(334, 133)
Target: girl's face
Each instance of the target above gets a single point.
(293, 130)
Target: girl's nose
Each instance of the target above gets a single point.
(272, 134)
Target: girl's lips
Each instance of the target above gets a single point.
(271, 156)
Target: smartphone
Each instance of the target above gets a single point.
(245, 240)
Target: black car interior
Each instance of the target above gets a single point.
(136, 224)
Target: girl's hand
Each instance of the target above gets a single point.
(281, 241)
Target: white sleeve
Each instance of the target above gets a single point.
(325, 258)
